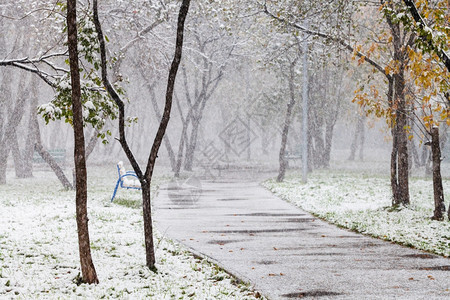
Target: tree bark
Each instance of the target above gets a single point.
(439, 206)
(398, 105)
(401, 122)
(92, 143)
(89, 274)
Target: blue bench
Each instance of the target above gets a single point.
(127, 180)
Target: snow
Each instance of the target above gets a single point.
(428, 30)
(49, 109)
(89, 105)
(64, 84)
(363, 203)
(39, 250)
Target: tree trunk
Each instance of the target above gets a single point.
(87, 266)
(415, 154)
(16, 154)
(181, 149)
(362, 139)
(15, 116)
(401, 118)
(287, 124)
(328, 142)
(356, 137)
(31, 136)
(398, 103)
(148, 227)
(192, 145)
(439, 206)
(39, 148)
(92, 143)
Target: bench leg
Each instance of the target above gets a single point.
(115, 190)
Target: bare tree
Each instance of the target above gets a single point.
(145, 178)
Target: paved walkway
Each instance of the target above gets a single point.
(286, 253)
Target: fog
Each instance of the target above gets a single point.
(240, 72)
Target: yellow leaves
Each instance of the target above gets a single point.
(392, 67)
(371, 102)
(361, 60)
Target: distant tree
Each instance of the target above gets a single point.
(288, 119)
(397, 112)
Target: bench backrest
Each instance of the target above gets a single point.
(121, 168)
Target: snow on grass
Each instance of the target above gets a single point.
(39, 250)
(363, 203)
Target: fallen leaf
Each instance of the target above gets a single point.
(270, 274)
(275, 248)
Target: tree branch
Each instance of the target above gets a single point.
(337, 40)
(112, 92)
(170, 88)
(422, 25)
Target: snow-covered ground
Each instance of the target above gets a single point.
(39, 250)
(362, 203)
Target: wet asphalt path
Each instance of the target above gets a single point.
(286, 253)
